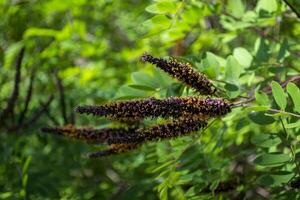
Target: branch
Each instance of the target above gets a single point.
(292, 8)
(35, 117)
(267, 90)
(39, 113)
(15, 93)
(61, 91)
(27, 99)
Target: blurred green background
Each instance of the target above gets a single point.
(87, 52)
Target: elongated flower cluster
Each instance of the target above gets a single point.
(184, 115)
(151, 107)
(113, 149)
(91, 135)
(183, 72)
(175, 128)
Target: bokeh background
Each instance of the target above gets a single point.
(55, 55)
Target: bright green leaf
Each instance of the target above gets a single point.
(294, 92)
(141, 78)
(293, 125)
(257, 108)
(235, 8)
(233, 70)
(267, 5)
(162, 8)
(243, 56)
(279, 95)
(272, 159)
(262, 98)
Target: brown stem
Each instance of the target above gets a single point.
(292, 8)
(9, 110)
(27, 99)
(44, 107)
(61, 91)
(267, 90)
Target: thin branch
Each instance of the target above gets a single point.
(15, 93)
(40, 112)
(27, 99)
(51, 117)
(284, 112)
(292, 8)
(267, 90)
(72, 116)
(61, 91)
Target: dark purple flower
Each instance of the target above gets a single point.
(91, 135)
(171, 107)
(114, 149)
(183, 72)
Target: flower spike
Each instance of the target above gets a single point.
(183, 72)
(90, 135)
(114, 149)
(171, 107)
(173, 129)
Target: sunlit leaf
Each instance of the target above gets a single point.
(162, 7)
(243, 56)
(294, 92)
(279, 95)
(267, 5)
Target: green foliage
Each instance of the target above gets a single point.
(87, 52)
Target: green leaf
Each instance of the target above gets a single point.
(243, 56)
(294, 92)
(162, 8)
(267, 5)
(280, 114)
(276, 179)
(283, 51)
(11, 53)
(157, 24)
(5, 195)
(262, 50)
(257, 108)
(233, 70)
(143, 79)
(210, 65)
(272, 159)
(126, 92)
(262, 98)
(279, 95)
(142, 87)
(235, 8)
(41, 32)
(26, 165)
(293, 125)
(260, 118)
(266, 140)
(232, 90)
